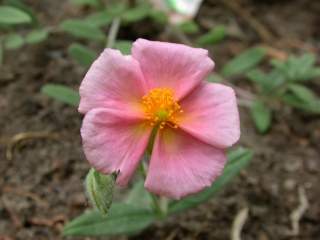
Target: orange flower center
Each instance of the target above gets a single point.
(161, 108)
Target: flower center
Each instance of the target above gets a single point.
(161, 108)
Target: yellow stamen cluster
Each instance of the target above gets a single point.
(161, 108)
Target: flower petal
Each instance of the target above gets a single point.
(171, 65)
(211, 115)
(114, 140)
(113, 81)
(182, 165)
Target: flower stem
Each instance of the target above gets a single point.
(159, 205)
(113, 32)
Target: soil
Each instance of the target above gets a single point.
(42, 184)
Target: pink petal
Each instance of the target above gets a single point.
(181, 165)
(114, 140)
(113, 81)
(211, 115)
(171, 65)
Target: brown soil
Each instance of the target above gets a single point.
(42, 185)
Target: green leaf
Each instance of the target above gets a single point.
(243, 62)
(100, 19)
(124, 46)
(189, 27)
(61, 93)
(214, 36)
(82, 29)
(13, 41)
(82, 54)
(100, 189)
(24, 7)
(310, 107)
(122, 219)
(301, 92)
(261, 116)
(214, 78)
(158, 16)
(93, 3)
(137, 13)
(12, 15)
(138, 196)
(237, 161)
(37, 36)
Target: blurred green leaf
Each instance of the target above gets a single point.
(13, 41)
(23, 7)
(138, 196)
(237, 161)
(137, 13)
(189, 27)
(11, 15)
(122, 219)
(82, 54)
(214, 78)
(37, 36)
(100, 189)
(124, 46)
(268, 83)
(261, 116)
(301, 92)
(62, 93)
(93, 3)
(244, 61)
(82, 29)
(299, 68)
(310, 107)
(99, 19)
(158, 16)
(214, 36)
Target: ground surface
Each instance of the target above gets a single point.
(41, 186)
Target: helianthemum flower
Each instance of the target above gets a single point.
(159, 89)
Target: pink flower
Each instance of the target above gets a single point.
(158, 92)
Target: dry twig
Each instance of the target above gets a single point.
(261, 30)
(238, 223)
(297, 213)
(26, 136)
(25, 193)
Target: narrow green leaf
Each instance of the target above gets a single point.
(13, 41)
(82, 54)
(214, 36)
(122, 219)
(301, 92)
(310, 107)
(12, 15)
(243, 62)
(214, 78)
(124, 46)
(189, 27)
(37, 36)
(137, 13)
(261, 116)
(100, 189)
(100, 19)
(237, 163)
(61, 93)
(82, 29)
(158, 16)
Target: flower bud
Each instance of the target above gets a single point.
(100, 189)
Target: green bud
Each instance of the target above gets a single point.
(100, 189)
